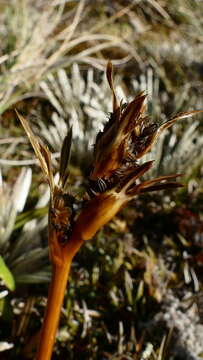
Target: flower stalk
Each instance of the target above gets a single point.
(113, 181)
(53, 308)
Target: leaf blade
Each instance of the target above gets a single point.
(6, 275)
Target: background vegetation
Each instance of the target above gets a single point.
(136, 289)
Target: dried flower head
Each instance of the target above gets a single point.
(114, 180)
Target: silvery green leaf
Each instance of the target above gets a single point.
(21, 189)
(4, 345)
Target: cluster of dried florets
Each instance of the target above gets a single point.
(115, 177)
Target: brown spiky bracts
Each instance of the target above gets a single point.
(116, 170)
(61, 212)
(127, 137)
(61, 208)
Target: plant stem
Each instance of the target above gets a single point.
(60, 274)
(52, 313)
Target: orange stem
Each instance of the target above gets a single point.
(60, 274)
(52, 313)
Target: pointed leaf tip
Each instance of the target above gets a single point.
(41, 151)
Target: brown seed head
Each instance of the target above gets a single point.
(127, 136)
